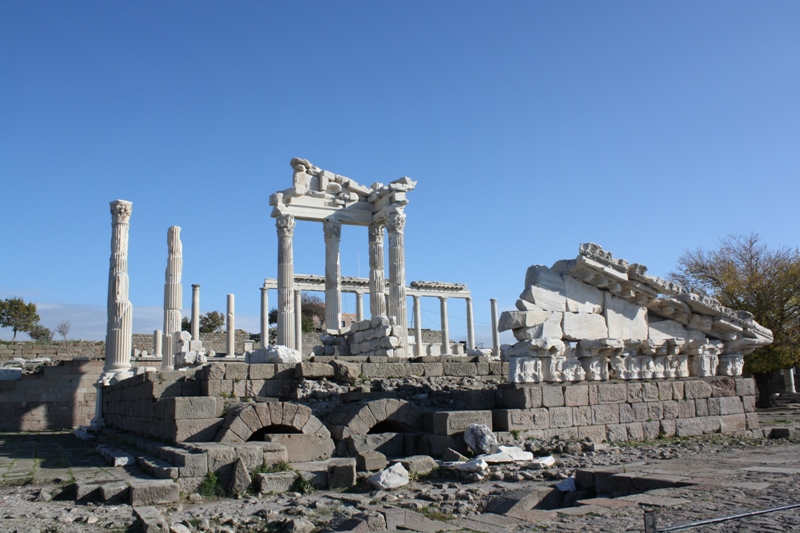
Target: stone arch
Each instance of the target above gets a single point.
(246, 419)
(361, 417)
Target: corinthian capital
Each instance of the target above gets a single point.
(376, 231)
(285, 225)
(332, 229)
(121, 211)
(396, 222)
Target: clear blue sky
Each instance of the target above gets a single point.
(647, 127)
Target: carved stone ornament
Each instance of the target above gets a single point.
(332, 229)
(396, 222)
(121, 211)
(285, 225)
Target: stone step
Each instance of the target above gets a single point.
(152, 492)
(157, 468)
(115, 456)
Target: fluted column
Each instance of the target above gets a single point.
(119, 332)
(418, 326)
(470, 326)
(173, 295)
(231, 351)
(264, 317)
(157, 338)
(377, 279)
(333, 275)
(359, 307)
(495, 333)
(445, 326)
(298, 321)
(285, 225)
(195, 312)
(397, 275)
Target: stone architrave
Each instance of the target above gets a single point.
(195, 312)
(579, 326)
(544, 288)
(173, 296)
(582, 297)
(624, 319)
(397, 275)
(333, 276)
(285, 225)
(231, 328)
(119, 333)
(377, 278)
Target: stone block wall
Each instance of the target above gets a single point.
(55, 351)
(216, 341)
(58, 397)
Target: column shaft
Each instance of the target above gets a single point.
(495, 333)
(333, 276)
(418, 326)
(157, 338)
(470, 326)
(788, 380)
(231, 351)
(397, 275)
(359, 307)
(264, 317)
(285, 225)
(195, 312)
(119, 332)
(445, 326)
(298, 322)
(377, 280)
(173, 296)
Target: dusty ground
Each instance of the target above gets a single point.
(730, 475)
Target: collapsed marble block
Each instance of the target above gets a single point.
(730, 364)
(579, 326)
(547, 347)
(725, 329)
(701, 322)
(549, 328)
(522, 319)
(544, 288)
(638, 293)
(671, 308)
(273, 354)
(704, 305)
(662, 330)
(624, 319)
(525, 370)
(582, 297)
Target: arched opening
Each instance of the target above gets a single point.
(258, 435)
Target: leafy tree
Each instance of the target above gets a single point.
(211, 322)
(743, 273)
(17, 315)
(40, 333)
(186, 324)
(310, 306)
(62, 328)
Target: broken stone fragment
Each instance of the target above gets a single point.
(390, 478)
(480, 439)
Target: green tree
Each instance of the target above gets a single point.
(310, 306)
(17, 315)
(40, 333)
(211, 322)
(63, 328)
(186, 324)
(743, 273)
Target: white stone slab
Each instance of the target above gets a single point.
(545, 288)
(624, 319)
(579, 326)
(550, 328)
(582, 297)
(521, 319)
(660, 330)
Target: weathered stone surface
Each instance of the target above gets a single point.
(370, 461)
(341, 473)
(661, 330)
(480, 439)
(582, 297)
(624, 319)
(522, 397)
(390, 478)
(697, 389)
(455, 422)
(578, 326)
(153, 492)
(277, 482)
(240, 481)
(301, 447)
(522, 319)
(550, 328)
(521, 419)
(273, 354)
(418, 464)
(545, 288)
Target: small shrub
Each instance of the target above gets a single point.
(272, 469)
(211, 487)
(435, 514)
(302, 485)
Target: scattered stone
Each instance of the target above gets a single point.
(480, 438)
(390, 478)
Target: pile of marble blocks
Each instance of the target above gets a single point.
(377, 337)
(187, 351)
(597, 318)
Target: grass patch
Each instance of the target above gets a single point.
(435, 514)
(272, 469)
(211, 487)
(302, 485)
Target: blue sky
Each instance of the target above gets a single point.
(647, 127)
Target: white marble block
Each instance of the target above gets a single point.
(704, 365)
(730, 364)
(522, 319)
(582, 297)
(545, 288)
(624, 319)
(549, 328)
(659, 330)
(579, 326)
(525, 370)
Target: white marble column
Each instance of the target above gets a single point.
(285, 225)
(298, 321)
(264, 317)
(418, 326)
(231, 351)
(173, 296)
(470, 326)
(195, 312)
(445, 326)
(333, 275)
(377, 279)
(788, 380)
(119, 333)
(495, 333)
(157, 337)
(359, 307)
(397, 275)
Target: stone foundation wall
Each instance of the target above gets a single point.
(55, 351)
(216, 341)
(57, 397)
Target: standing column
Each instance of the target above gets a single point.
(470, 326)
(119, 333)
(333, 275)
(377, 279)
(173, 295)
(445, 326)
(231, 329)
(397, 275)
(264, 317)
(298, 321)
(418, 326)
(359, 307)
(157, 336)
(285, 225)
(195, 312)
(788, 380)
(495, 333)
